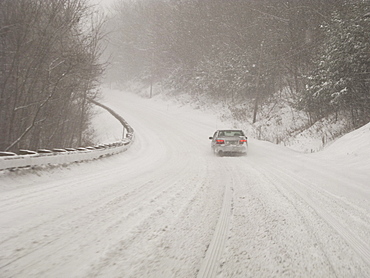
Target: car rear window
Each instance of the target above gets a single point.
(231, 133)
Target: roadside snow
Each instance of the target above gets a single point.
(107, 129)
(354, 144)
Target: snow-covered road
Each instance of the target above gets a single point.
(169, 208)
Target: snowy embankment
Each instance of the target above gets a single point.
(351, 150)
(70, 155)
(169, 208)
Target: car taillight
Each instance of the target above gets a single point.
(219, 141)
(242, 141)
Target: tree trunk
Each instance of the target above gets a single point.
(256, 101)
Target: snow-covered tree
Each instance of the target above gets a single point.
(341, 80)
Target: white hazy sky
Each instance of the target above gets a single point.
(103, 3)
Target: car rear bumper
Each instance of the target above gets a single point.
(231, 149)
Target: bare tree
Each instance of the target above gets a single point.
(49, 65)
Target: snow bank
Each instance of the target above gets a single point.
(351, 150)
(355, 143)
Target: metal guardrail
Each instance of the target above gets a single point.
(45, 157)
(28, 158)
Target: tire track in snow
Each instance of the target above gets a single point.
(216, 247)
(304, 189)
(160, 237)
(128, 198)
(361, 247)
(24, 199)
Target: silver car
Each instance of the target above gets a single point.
(229, 142)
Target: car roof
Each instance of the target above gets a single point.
(230, 130)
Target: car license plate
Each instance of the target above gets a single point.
(232, 142)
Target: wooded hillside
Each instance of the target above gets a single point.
(49, 54)
(245, 51)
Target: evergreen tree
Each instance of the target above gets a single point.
(340, 82)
